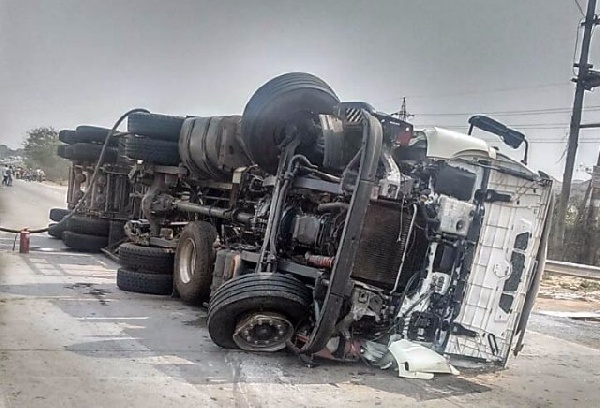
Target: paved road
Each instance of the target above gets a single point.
(70, 338)
(27, 203)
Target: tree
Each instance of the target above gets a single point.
(40, 153)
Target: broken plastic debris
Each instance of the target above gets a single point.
(416, 361)
(412, 360)
(373, 352)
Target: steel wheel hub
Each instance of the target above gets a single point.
(266, 331)
(187, 265)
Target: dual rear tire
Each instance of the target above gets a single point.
(145, 269)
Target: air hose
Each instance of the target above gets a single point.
(87, 193)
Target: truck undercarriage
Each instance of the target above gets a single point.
(334, 230)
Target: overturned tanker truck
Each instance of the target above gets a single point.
(327, 227)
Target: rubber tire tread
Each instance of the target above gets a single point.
(133, 281)
(270, 100)
(116, 233)
(264, 290)
(84, 242)
(57, 214)
(66, 136)
(90, 152)
(197, 291)
(92, 134)
(257, 285)
(152, 151)
(87, 134)
(269, 295)
(151, 260)
(61, 151)
(56, 230)
(88, 225)
(259, 279)
(159, 127)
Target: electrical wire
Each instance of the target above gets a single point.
(514, 125)
(527, 112)
(487, 91)
(579, 7)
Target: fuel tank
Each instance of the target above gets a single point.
(211, 147)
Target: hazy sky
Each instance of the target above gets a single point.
(70, 62)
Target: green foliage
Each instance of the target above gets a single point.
(581, 234)
(40, 153)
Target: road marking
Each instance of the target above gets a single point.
(162, 360)
(113, 318)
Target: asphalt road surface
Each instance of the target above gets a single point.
(70, 338)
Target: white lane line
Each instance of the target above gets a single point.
(162, 360)
(113, 318)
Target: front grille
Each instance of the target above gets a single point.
(381, 245)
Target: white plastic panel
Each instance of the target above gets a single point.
(481, 308)
(448, 144)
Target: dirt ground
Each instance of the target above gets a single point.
(562, 293)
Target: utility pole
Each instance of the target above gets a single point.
(403, 113)
(593, 221)
(583, 70)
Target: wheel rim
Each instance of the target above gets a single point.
(263, 331)
(187, 264)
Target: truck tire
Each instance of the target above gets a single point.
(159, 127)
(56, 230)
(194, 262)
(84, 242)
(132, 281)
(116, 233)
(290, 99)
(86, 134)
(151, 260)
(88, 225)
(264, 292)
(61, 151)
(89, 152)
(66, 136)
(152, 151)
(57, 214)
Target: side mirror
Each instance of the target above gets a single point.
(509, 136)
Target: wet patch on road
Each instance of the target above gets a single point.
(198, 322)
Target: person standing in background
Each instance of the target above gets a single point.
(4, 176)
(9, 176)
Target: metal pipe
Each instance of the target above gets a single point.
(215, 212)
(410, 229)
(336, 206)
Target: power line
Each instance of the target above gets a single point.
(543, 124)
(548, 141)
(532, 112)
(486, 91)
(579, 7)
(516, 127)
